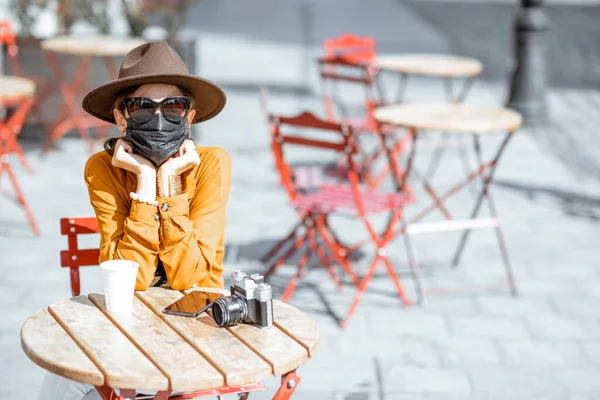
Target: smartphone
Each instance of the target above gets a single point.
(192, 304)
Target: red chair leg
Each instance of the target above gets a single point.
(75, 286)
(338, 252)
(310, 249)
(328, 265)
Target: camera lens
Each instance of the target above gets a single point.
(228, 311)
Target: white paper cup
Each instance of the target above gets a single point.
(118, 278)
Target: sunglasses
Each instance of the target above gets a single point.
(141, 109)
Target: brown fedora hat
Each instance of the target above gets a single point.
(155, 62)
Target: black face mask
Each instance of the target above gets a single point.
(157, 139)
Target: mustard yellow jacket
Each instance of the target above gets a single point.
(187, 234)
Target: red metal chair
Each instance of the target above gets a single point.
(74, 257)
(44, 86)
(314, 231)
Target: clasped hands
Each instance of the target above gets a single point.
(185, 159)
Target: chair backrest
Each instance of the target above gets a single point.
(348, 60)
(350, 47)
(286, 131)
(74, 257)
(8, 38)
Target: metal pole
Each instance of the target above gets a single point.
(529, 79)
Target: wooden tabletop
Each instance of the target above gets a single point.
(14, 88)
(91, 45)
(451, 118)
(429, 64)
(147, 349)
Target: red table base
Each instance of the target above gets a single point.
(71, 116)
(289, 382)
(8, 144)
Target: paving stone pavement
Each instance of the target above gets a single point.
(545, 344)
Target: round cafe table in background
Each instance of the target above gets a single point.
(475, 123)
(448, 67)
(70, 115)
(149, 350)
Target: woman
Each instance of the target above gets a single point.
(159, 200)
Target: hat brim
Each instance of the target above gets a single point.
(209, 98)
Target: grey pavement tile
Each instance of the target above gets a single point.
(514, 306)
(565, 328)
(488, 327)
(582, 381)
(591, 349)
(404, 351)
(508, 382)
(457, 352)
(545, 287)
(397, 377)
(408, 323)
(576, 306)
(336, 371)
(542, 353)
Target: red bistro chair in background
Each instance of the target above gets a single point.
(316, 207)
(74, 257)
(44, 86)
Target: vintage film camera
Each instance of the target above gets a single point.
(251, 301)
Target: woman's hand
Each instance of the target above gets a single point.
(169, 173)
(185, 159)
(124, 158)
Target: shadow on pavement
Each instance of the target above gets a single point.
(573, 204)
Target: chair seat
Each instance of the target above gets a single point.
(362, 123)
(340, 198)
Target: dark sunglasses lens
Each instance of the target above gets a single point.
(175, 109)
(140, 110)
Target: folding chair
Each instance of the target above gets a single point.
(44, 86)
(74, 257)
(319, 205)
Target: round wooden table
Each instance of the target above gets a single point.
(429, 64)
(71, 116)
(448, 67)
(17, 93)
(454, 119)
(147, 349)
(451, 118)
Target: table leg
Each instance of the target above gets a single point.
(485, 194)
(8, 134)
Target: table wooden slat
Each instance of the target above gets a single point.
(47, 344)
(227, 353)
(123, 365)
(186, 369)
(297, 325)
